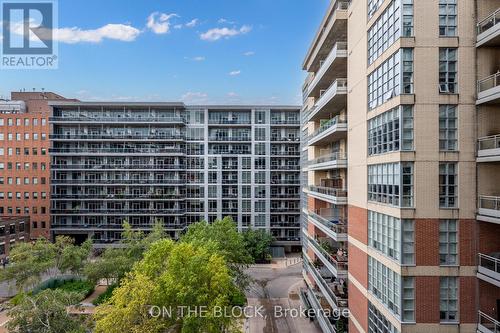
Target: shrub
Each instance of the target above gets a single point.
(238, 299)
(82, 287)
(105, 295)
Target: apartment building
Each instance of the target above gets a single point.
(24, 159)
(13, 229)
(173, 164)
(417, 85)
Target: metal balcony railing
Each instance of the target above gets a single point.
(229, 138)
(489, 142)
(489, 82)
(118, 166)
(285, 153)
(489, 202)
(119, 196)
(285, 167)
(227, 121)
(337, 264)
(157, 136)
(117, 150)
(338, 299)
(153, 119)
(275, 121)
(487, 323)
(489, 22)
(119, 181)
(488, 262)
(331, 191)
(285, 139)
(118, 211)
(337, 86)
(335, 223)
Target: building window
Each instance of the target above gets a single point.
(448, 185)
(448, 71)
(408, 298)
(385, 285)
(384, 234)
(408, 242)
(386, 181)
(260, 134)
(448, 305)
(373, 5)
(385, 81)
(447, 127)
(377, 322)
(260, 117)
(394, 22)
(448, 242)
(447, 17)
(386, 130)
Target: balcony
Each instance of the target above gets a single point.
(315, 304)
(487, 324)
(333, 292)
(116, 151)
(332, 130)
(82, 119)
(489, 149)
(332, 29)
(488, 30)
(107, 166)
(285, 167)
(113, 137)
(106, 181)
(333, 67)
(285, 139)
(285, 122)
(489, 268)
(330, 223)
(332, 195)
(489, 209)
(242, 138)
(331, 101)
(118, 212)
(488, 90)
(326, 162)
(337, 266)
(119, 196)
(230, 121)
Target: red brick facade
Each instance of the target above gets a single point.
(358, 223)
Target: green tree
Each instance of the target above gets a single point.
(223, 237)
(28, 263)
(114, 263)
(70, 257)
(45, 312)
(171, 276)
(258, 243)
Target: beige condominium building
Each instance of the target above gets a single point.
(402, 142)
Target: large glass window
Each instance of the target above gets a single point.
(394, 22)
(448, 184)
(373, 5)
(385, 81)
(408, 240)
(408, 298)
(448, 71)
(391, 183)
(448, 304)
(447, 17)
(447, 127)
(377, 322)
(385, 285)
(384, 234)
(385, 131)
(448, 242)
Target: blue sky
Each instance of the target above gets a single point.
(198, 51)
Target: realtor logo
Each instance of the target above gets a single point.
(27, 35)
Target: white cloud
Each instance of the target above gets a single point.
(199, 58)
(235, 73)
(218, 33)
(159, 23)
(249, 53)
(121, 32)
(192, 23)
(178, 26)
(232, 94)
(192, 97)
(223, 21)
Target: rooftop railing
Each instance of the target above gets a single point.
(489, 21)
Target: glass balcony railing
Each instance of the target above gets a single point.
(285, 121)
(489, 263)
(489, 142)
(326, 126)
(228, 121)
(489, 22)
(229, 138)
(339, 157)
(489, 82)
(107, 166)
(115, 119)
(117, 150)
(339, 263)
(327, 218)
(117, 211)
(489, 202)
(285, 138)
(156, 136)
(118, 196)
(119, 181)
